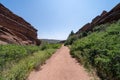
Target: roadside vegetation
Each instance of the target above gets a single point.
(17, 61)
(100, 50)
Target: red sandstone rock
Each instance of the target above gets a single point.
(16, 29)
(84, 28)
(105, 17)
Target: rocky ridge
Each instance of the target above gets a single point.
(15, 30)
(105, 17)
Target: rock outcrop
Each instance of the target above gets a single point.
(105, 17)
(15, 30)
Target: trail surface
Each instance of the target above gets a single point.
(61, 66)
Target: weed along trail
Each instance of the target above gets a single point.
(61, 66)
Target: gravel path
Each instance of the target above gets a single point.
(61, 66)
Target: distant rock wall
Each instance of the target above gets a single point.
(15, 30)
(105, 17)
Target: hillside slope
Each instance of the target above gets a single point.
(97, 45)
(101, 51)
(15, 30)
(104, 17)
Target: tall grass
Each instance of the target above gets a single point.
(17, 61)
(10, 54)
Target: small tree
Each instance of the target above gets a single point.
(72, 33)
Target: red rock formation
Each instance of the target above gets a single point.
(15, 29)
(105, 17)
(84, 28)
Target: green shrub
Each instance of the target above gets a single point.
(101, 50)
(21, 69)
(50, 46)
(71, 39)
(16, 61)
(10, 54)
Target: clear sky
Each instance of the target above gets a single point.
(54, 19)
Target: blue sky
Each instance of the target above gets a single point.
(54, 19)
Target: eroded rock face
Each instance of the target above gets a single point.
(15, 30)
(105, 17)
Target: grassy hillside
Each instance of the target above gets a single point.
(17, 61)
(100, 50)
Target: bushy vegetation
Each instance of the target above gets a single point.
(13, 53)
(46, 45)
(71, 39)
(17, 61)
(100, 50)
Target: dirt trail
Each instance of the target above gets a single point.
(61, 66)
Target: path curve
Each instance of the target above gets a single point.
(61, 66)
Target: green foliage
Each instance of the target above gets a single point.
(102, 27)
(13, 53)
(23, 67)
(16, 61)
(71, 39)
(50, 46)
(101, 50)
(72, 33)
